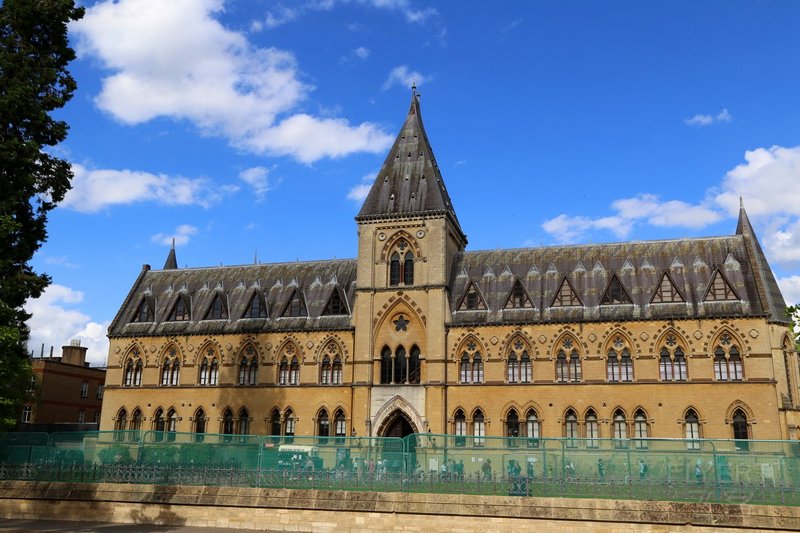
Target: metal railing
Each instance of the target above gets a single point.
(761, 472)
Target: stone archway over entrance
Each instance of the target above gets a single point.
(397, 425)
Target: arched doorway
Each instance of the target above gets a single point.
(398, 426)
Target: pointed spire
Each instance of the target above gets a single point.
(768, 291)
(172, 261)
(409, 182)
(255, 257)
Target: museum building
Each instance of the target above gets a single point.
(672, 338)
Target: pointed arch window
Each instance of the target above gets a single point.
(640, 429)
(248, 367)
(727, 361)
(256, 308)
(339, 427)
(478, 428)
(460, 428)
(472, 299)
(180, 311)
(209, 369)
(199, 424)
(512, 427)
(133, 370)
(386, 366)
(325, 371)
(667, 292)
(336, 376)
(217, 310)
(323, 427)
(275, 423)
(121, 423)
(615, 293)
(170, 370)
(244, 421)
(592, 429)
(741, 431)
(571, 428)
(672, 361)
(335, 305)
(518, 298)
(227, 422)
(136, 422)
(568, 369)
(159, 424)
(289, 424)
(692, 425)
(144, 313)
(532, 428)
(401, 265)
(294, 371)
(408, 269)
(619, 366)
(283, 372)
(172, 424)
(414, 365)
(519, 368)
(620, 429)
(513, 368)
(465, 369)
(477, 368)
(719, 289)
(400, 365)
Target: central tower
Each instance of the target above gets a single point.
(408, 233)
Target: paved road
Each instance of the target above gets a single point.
(63, 526)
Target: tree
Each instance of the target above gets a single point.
(34, 82)
(793, 312)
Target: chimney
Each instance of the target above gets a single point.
(74, 354)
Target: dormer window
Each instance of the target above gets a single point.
(144, 313)
(180, 312)
(217, 311)
(401, 265)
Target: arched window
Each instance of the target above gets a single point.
(513, 369)
(519, 362)
(640, 429)
(414, 366)
(562, 371)
(672, 361)
(525, 369)
(252, 374)
(477, 368)
(199, 424)
(465, 369)
(620, 428)
(275, 423)
(137, 373)
(568, 370)
(243, 366)
(340, 427)
(532, 428)
(136, 420)
(386, 365)
(289, 423)
(294, 372)
(283, 372)
(692, 423)
(174, 376)
(512, 426)
(323, 426)
(478, 428)
(165, 371)
(740, 429)
(204, 372)
(619, 365)
(612, 367)
(227, 422)
(727, 360)
(400, 365)
(121, 423)
(209, 368)
(336, 377)
(592, 429)
(172, 424)
(571, 428)
(626, 366)
(460, 428)
(401, 265)
(244, 421)
(325, 371)
(128, 381)
(158, 421)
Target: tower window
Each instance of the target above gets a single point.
(401, 265)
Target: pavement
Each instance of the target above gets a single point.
(64, 526)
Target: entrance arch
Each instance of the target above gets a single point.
(398, 424)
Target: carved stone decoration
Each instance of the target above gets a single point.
(698, 334)
(592, 337)
(381, 236)
(229, 347)
(542, 339)
(117, 349)
(754, 333)
(190, 347)
(420, 234)
(493, 340)
(644, 336)
(309, 345)
(152, 349)
(268, 346)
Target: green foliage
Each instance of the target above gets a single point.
(34, 82)
(793, 312)
(115, 454)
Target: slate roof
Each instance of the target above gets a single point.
(409, 182)
(315, 281)
(639, 266)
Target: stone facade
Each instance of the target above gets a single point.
(654, 339)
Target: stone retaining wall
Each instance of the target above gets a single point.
(341, 511)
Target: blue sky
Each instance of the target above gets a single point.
(240, 126)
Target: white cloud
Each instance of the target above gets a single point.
(281, 15)
(55, 324)
(790, 288)
(359, 193)
(404, 77)
(96, 189)
(181, 235)
(361, 52)
(706, 120)
(257, 179)
(172, 58)
(61, 260)
(647, 208)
